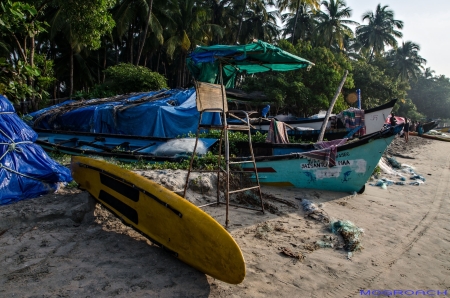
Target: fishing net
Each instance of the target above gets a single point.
(349, 232)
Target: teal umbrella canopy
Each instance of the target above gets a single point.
(204, 62)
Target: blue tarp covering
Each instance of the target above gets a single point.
(26, 171)
(173, 116)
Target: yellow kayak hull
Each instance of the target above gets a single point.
(167, 219)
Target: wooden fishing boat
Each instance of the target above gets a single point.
(374, 120)
(286, 164)
(431, 137)
(313, 135)
(122, 147)
(429, 126)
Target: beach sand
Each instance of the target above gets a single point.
(65, 245)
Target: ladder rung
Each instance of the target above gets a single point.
(238, 127)
(211, 126)
(240, 162)
(244, 172)
(206, 171)
(243, 189)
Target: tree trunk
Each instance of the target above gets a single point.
(139, 34)
(22, 50)
(157, 61)
(98, 67)
(150, 58)
(130, 43)
(371, 55)
(330, 109)
(71, 73)
(34, 104)
(295, 22)
(117, 54)
(53, 55)
(240, 22)
(104, 63)
(144, 35)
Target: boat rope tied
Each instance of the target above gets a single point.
(13, 147)
(7, 113)
(20, 174)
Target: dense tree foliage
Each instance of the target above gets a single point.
(376, 85)
(57, 48)
(305, 92)
(431, 96)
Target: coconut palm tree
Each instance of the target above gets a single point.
(380, 32)
(258, 23)
(299, 24)
(332, 23)
(190, 28)
(429, 73)
(137, 17)
(249, 6)
(222, 14)
(406, 61)
(297, 7)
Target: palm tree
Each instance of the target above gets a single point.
(189, 29)
(146, 25)
(250, 5)
(222, 14)
(332, 23)
(380, 32)
(299, 7)
(258, 23)
(299, 24)
(406, 61)
(429, 73)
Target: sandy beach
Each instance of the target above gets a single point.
(66, 245)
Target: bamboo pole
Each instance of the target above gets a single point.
(330, 109)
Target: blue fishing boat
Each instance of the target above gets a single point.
(347, 170)
(122, 147)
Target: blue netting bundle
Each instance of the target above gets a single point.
(394, 163)
(26, 171)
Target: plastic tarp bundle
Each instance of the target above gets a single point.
(26, 171)
(174, 115)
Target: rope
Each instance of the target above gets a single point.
(13, 147)
(7, 113)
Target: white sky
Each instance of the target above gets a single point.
(425, 23)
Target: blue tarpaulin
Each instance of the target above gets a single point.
(26, 171)
(172, 116)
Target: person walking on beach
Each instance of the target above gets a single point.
(406, 130)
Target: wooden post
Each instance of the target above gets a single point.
(330, 109)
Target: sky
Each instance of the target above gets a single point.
(424, 23)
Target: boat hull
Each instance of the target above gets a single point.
(122, 147)
(355, 163)
(374, 120)
(431, 137)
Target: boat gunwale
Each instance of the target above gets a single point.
(95, 134)
(383, 134)
(387, 105)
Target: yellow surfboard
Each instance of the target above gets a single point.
(167, 219)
